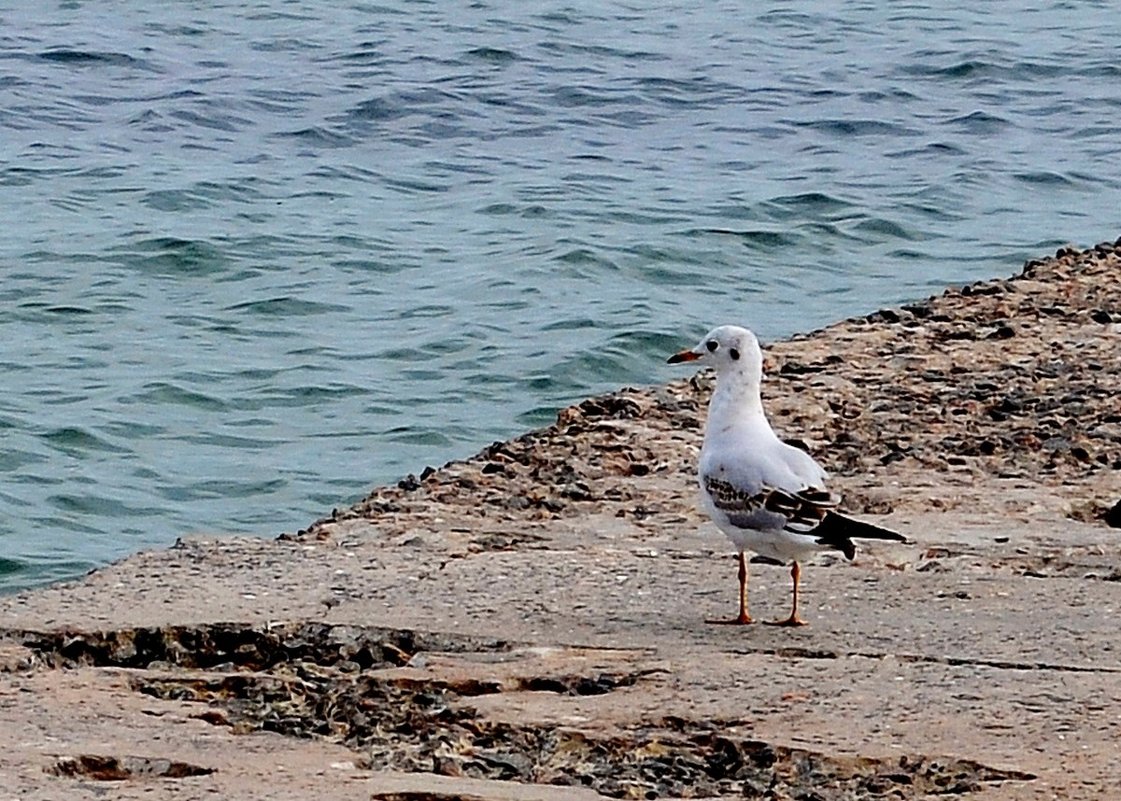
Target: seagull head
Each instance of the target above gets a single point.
(727, 349)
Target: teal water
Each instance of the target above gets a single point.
(258, 258)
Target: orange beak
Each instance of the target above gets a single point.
(684, 356)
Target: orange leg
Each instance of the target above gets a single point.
(743, 618)
(793, 620)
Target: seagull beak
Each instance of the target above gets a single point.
(684, 356)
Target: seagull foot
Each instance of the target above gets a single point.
(791, 622)
(739, 620)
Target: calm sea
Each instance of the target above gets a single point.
(259, 257)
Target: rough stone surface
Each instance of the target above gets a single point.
(530, 623)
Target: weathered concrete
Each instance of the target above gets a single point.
(535, 616)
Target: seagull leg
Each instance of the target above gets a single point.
(793, 620)
(743, 618)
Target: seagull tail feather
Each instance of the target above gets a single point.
(837, 531)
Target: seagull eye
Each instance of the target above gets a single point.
(735, 354)
(712, 345)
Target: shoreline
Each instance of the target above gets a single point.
(960, 345)
(534, 614)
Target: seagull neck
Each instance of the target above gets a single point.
(736, 398)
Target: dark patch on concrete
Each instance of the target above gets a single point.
(234, 645)
(340, 682)
(111, 768)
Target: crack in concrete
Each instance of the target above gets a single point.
(795, 652)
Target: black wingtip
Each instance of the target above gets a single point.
(837, 531)
(844, 545)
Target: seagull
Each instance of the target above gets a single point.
(767, 496)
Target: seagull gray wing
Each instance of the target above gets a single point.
(801, 465)
(799, 511)
(755, 481)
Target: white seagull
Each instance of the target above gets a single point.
(767, 496)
